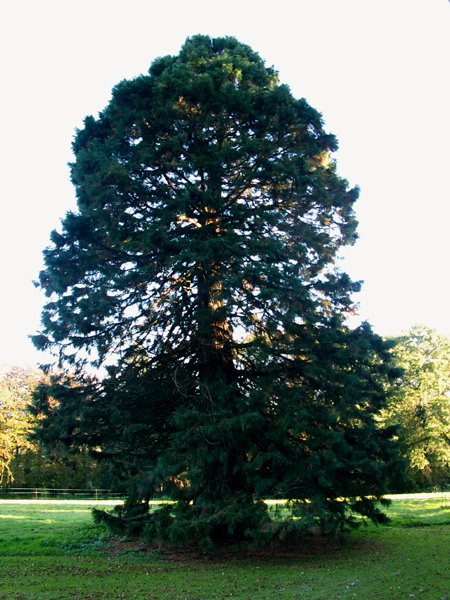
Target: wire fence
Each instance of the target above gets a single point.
(57, 494)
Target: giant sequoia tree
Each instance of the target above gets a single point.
(200, 268)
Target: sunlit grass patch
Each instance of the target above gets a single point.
(419, 510)
(23, 527)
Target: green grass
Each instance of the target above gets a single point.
(419, 510)
(53, 552)
(30, 529)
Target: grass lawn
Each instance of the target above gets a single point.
(52, 551)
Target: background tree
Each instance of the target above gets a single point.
(25, 463)
(420, 404)
(39, 467)
(200, 268)
(16, 386)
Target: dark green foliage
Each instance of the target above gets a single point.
(201, 266)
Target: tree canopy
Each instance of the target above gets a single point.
(200, 268)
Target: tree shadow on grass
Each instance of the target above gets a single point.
(293, 548)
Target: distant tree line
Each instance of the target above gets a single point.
(26, 462)
(419, 408)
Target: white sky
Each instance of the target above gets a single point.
(377, 71)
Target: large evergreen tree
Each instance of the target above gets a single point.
(200, 267)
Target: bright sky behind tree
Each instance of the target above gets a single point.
(377, 71)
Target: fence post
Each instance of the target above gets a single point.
(36, 494)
